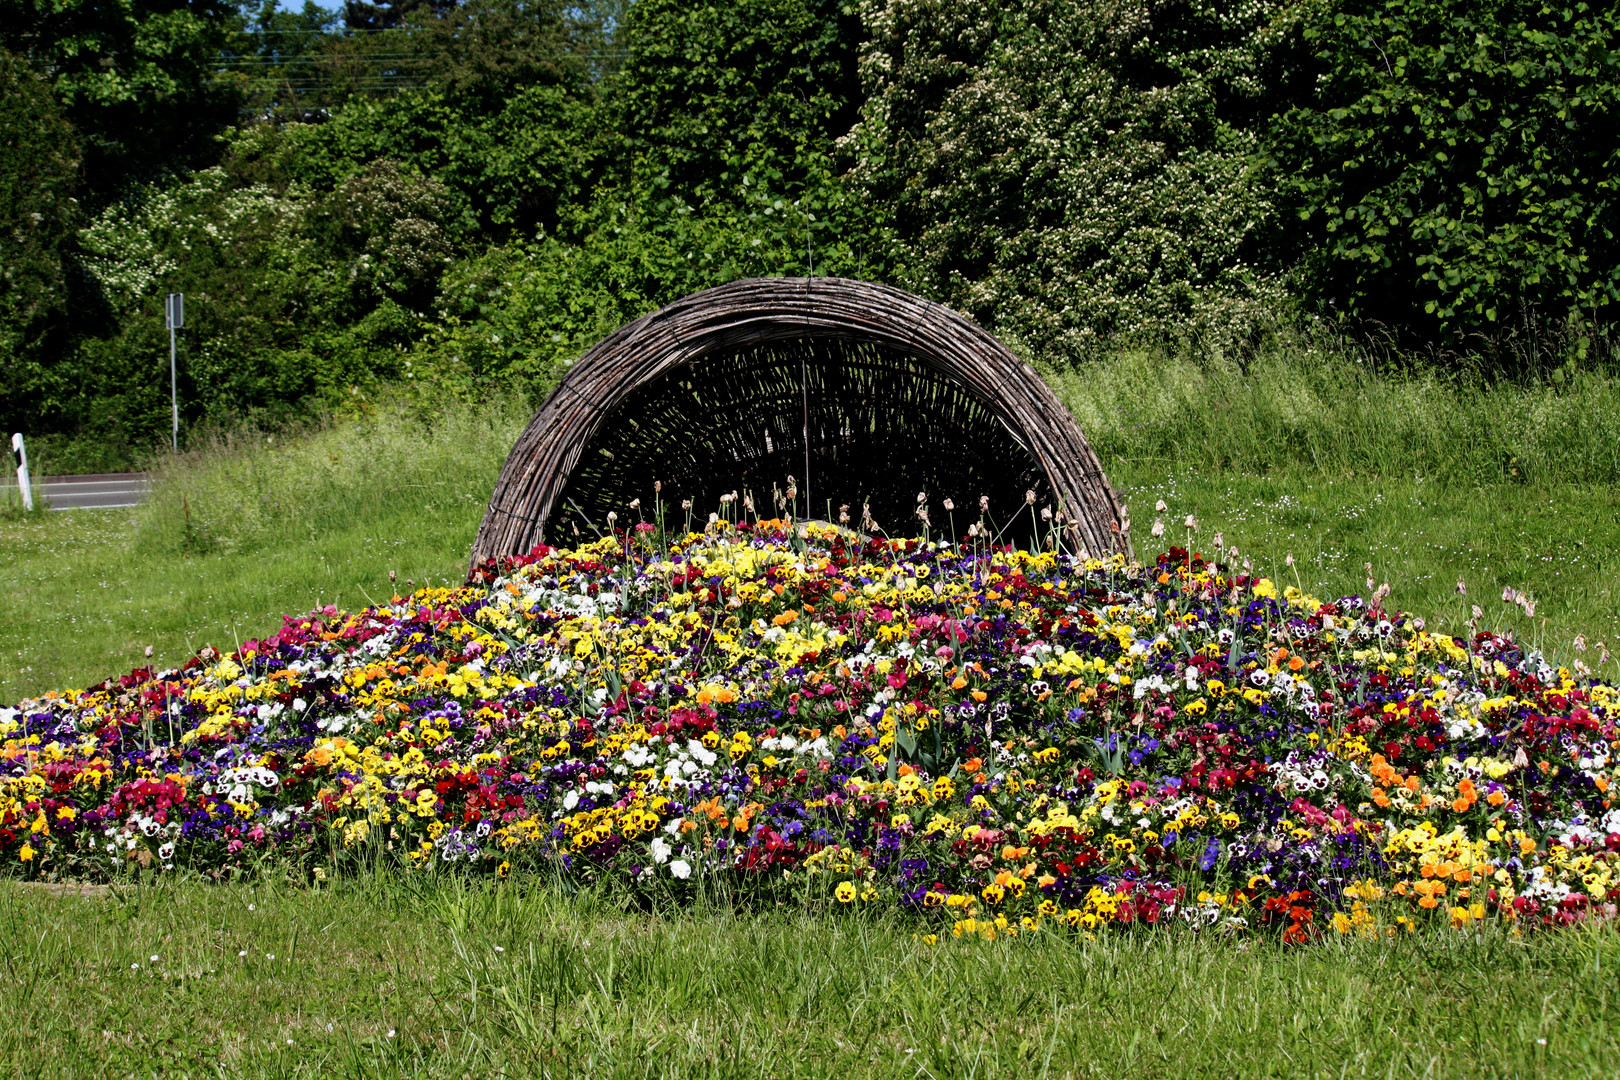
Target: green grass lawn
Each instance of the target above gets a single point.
(379, 978)
(391, 977)
(1558, 542)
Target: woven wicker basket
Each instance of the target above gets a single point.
(864, 394)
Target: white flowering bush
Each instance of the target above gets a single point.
(1067, 172)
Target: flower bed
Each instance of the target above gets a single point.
(993, 740)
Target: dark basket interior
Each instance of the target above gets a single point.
(883, 426)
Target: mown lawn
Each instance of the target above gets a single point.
(386, 977)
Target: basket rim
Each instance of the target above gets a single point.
(756, 311)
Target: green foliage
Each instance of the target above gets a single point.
(288, 61)
(1455, 165)
(135, 78)
(480, 53)
(38, 175)
(513, 168)
(1067, 172)
(712, 94)
(523, 311)
(295, 300)
(722, 169)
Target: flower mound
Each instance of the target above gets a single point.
(993, 740)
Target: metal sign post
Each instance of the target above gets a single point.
(20, 452)
(174, 316)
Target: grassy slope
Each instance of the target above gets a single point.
(78, 604)
(377, 979)
(83, 596)
(239, 534)
(1285, 464)
(1306, 450)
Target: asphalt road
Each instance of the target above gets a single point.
(102, 491)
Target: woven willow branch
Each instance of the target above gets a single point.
(770, 372)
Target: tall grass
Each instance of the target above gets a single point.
(1309, 448)
(241, 530)
(1331, 410)
(238, 491)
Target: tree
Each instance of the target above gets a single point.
(1065, 172)
(1457, 165)
(709, 94)
(138, 80)
(482, 52)
(390, 14)
(39, 174)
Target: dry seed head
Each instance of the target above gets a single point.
(1029, 497)
(984, 504)
(1160, 507)
(948, 505)
(635, 504)
(1046, 513)
(1158, 526)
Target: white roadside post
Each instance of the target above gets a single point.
(23, 483)
(174, 316)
